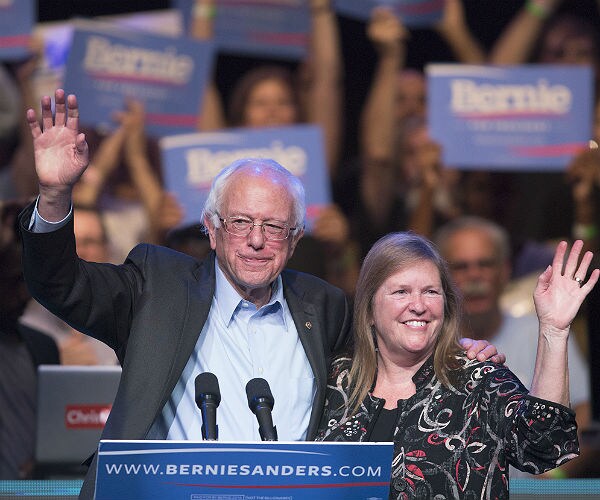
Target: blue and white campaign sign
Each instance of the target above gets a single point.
(414, 13)
(191, 161)
(211, 470)
(108, 64)
(273, 28)
(16, 23)
(531, 117)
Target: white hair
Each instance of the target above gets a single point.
(212, 206)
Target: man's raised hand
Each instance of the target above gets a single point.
(61, 153)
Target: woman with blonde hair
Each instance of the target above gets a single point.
(456, 423)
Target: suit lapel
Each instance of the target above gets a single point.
(311, 331)
(200, 291)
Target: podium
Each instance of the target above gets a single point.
(215, 470)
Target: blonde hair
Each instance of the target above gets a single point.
(389, 255)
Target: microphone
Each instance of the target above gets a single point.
(260, 401)
(208, 397)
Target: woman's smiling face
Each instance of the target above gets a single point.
(408, 312)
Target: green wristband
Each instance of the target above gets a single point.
(585, 231)
(536, 9)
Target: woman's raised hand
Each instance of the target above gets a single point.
(563, 286)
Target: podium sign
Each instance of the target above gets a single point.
(211, 470)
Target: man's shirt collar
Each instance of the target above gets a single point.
(229, 300)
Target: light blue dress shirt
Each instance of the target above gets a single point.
(240, 342)
(38, 224)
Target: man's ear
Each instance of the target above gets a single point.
(295, 239)
(212, 230)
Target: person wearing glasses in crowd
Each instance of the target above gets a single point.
(479, 258)
(169, 317)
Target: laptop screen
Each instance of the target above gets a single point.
(73, 405)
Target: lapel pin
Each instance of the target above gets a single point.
(308, 325)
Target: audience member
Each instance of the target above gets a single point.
(22, 350)
(571, 208)
(543, 31)
(402, 182)
(478, 255)
(271, 95)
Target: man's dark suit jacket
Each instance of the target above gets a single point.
(151, 310)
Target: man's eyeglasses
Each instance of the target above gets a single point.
(242, 226)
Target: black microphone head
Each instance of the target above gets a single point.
(258, 391)
(207, 388)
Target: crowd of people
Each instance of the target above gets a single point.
(372, 322)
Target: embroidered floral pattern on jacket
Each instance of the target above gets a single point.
(457, 442)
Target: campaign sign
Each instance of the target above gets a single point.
(272, 28)
(414, 13)
(211, 470)
(107, 64)
(16, 23)
(191, 161)
(531, 117)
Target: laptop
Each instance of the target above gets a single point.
(73, 403)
